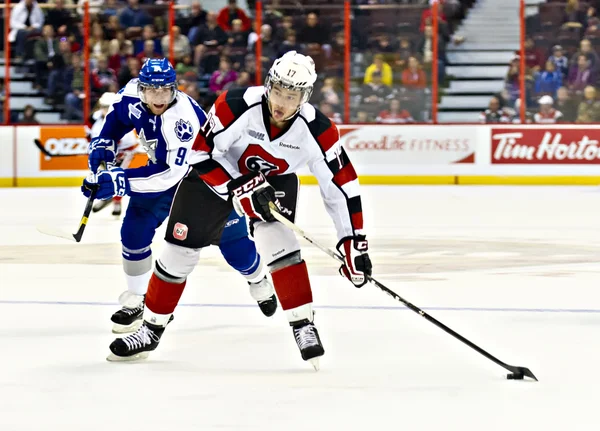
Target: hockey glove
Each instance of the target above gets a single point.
(251, 194)
(101, 150)
(357, 264)
(109, 184)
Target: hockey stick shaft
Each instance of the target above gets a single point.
(514, 369)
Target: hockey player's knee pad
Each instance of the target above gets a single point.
(137, 232)
(274, 241)
(241, 255)
(176, 263)
(291, 259)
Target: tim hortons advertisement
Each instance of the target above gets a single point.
(550, 146)
(66, 148)
(412, 145)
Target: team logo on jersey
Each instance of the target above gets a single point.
(256, 159)
(184, 130)
(180, 231)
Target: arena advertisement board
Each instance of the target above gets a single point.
(545, 146)
(386, 145)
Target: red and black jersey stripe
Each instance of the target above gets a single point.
(327, 135)
(212, 173)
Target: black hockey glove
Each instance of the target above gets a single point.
(357, 264)
(251, 194)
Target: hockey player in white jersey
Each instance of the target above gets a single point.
(127, 148)
(246, 157)
(167, 122)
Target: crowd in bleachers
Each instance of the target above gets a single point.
(562, 68)
(390, 62)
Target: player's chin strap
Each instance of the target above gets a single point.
(517, 373)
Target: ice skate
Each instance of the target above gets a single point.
(100, 205)
(264, 294)
(116, 208)
(137, 345)
(129, 317)
(309, 343)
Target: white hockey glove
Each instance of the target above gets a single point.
(101, 151)
(357, 264)
(107, 184)
(251, 194)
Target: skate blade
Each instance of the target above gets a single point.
(138, 357)
(315, 363)
(125, 329)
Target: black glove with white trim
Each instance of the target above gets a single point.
(251, 195)
(357, 265)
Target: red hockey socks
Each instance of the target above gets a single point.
(162, 296)
(292, 286)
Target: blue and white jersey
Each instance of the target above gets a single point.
(167, 138)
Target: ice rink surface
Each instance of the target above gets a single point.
(514, 269)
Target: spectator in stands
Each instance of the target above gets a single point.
(26, 19)
(103, 77)
(73, 82)
(374, 93)
(548, 81)
(231, 12)
(29, 116)
(222, 76)
(189, 24)
(119, 53)
(99, 46)
(60, 18)
(586, 48)
(209, 43)
(426, 17)
(148, 33)
(362, 117)
(242, 81)
(574, 17)
(191, 89)
(413, 76)
(186, 66)
(327, 110)
(111, 27)
(395, 114)
(534, 57)
(383, 69)
(181, 44)
(237, 43)
(45, 52)
(314, 34)
(383, 43)
(290, 44)
(405, 51)
(566, 105)
(130, 72)
(589, 108)
(269, 47)
(148, 51)
(580, 75)
(494, 113)
(560, 61)
(425, 48)
(329, 93)
(133, 18)
(547, 114)
(110, 8)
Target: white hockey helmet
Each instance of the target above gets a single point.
(107, 99)
(292, 71)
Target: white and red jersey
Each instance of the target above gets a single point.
(550, 117)
(238, 138)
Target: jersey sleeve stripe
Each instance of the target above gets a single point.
(223, 111)
(201, 144)
(338, 162)
(344, 175)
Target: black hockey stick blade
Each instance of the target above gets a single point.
(44, 151)
(52, 231)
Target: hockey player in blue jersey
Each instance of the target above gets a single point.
(167, 122)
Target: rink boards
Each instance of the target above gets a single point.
(382, 154)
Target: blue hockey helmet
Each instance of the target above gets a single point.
(157, 73)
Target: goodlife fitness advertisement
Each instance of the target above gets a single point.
(570, 145)
(394, 149)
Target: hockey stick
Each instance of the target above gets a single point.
(52, 231)
(517, 373)
(47, 153)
